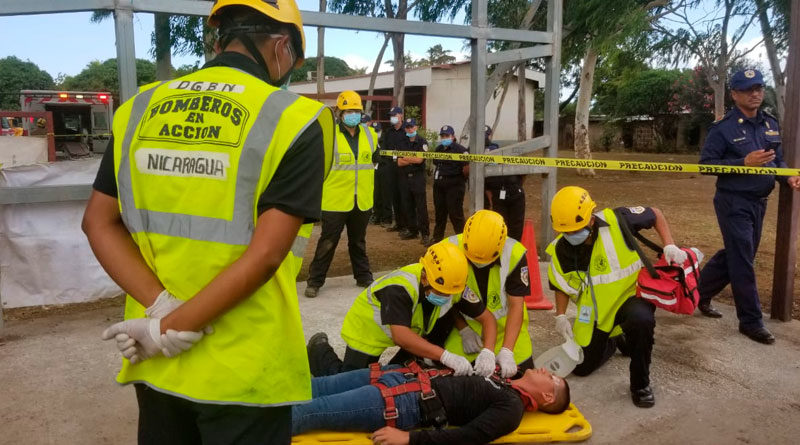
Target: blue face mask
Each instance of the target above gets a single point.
(435, 299)
(411, 135)
(352, 119)
(579, 237)
(446, 142)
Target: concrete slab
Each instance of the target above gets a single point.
(712, 384)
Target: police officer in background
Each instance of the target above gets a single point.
(367, 121)
(505, 195)
(412, 186)
(746, 136)
(449, 184)
(346, 196)
(392, 138)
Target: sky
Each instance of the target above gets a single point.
(66, 43)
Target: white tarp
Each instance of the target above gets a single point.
(22, 150)
(44, 255)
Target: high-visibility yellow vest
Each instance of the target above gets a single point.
(362, 329)
(192, 156)
(611, 279)
(351, 179)
(496, 301)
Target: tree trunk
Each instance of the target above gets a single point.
(399, 87)
(582, 149)
(323, 6)
(680, 136)
(719, 98)
(500, 102)
(772, 55)
(521, 103)
(163, 47)
(374, 76)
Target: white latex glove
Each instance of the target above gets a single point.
(563, 326)
(166, 303)
(174, 342)
(673, 254)
(484, 363)
(470, 340)
(508, 366)
(457, 363)
(145, 334)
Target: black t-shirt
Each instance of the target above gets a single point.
(418, 144)
(573, 258)
(397, 306)
(351, 140)
(482, 410)
(296, 186)
(449, 168)
(514, 286)
(393, 139)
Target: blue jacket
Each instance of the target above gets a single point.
(734, 136)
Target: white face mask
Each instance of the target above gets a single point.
(394, 120)
(579, 237)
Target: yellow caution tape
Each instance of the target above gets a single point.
(73, 135)
(642, 166)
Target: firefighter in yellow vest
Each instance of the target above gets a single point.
(407, 308)
(346, 196)
(197, 213)
(498, 276)
(592, 265)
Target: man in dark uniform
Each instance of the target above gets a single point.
(448, 185)
(746, 136)
(505, 195)
(378, 216)
(392, 138)
(412, 186)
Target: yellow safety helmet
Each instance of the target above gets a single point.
(484, 236)
(445, 268)
(349, 100)
(41, 122)
(284, 11)
(571, 209)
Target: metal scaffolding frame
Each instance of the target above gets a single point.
(548, 45)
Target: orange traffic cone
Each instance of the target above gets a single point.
(536, 299)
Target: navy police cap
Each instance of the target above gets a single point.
(446, 129)
(745, 79)
(410, 122)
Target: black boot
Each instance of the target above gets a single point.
(643, 398)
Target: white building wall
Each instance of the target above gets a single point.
(448, 103)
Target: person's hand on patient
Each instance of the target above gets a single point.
(390, 436)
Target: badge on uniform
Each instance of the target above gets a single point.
(424, 147)
(638, 210)
(523, 275)
(502, 194)
(585, 314)
(470, 295)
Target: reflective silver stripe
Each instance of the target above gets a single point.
(353, 167)
(369, 138)
(299, 246)
(562, 283)
(376, 310)
(453, 239)
(505, 263)
(239, 230)
(608, 244)
(619, 274)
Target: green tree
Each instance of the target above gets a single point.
(16, 75)
(103, 76)
(438, 56)
(648, 92)
(334, 67)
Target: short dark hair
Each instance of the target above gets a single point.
(560, 404)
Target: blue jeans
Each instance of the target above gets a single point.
(347, 402)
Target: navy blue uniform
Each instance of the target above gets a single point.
(740, 203)
(508, 198)
(412, 190)
(448, 191)
(388, 174)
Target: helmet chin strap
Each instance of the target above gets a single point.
(254, 52)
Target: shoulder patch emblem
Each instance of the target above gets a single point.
(749, 74)
(523, 275)
(636, 210)
(470, 295)
(600, 264)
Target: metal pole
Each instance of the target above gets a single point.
(477, 103)
(788, 201)
(126, 54)
(552, 85)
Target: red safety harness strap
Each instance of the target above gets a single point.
(422, 384)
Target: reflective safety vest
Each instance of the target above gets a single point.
(362, 329)
(351, 179)
(192, 157)
(496, 301)
(611, 279)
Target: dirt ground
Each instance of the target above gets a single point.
(685, 199)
